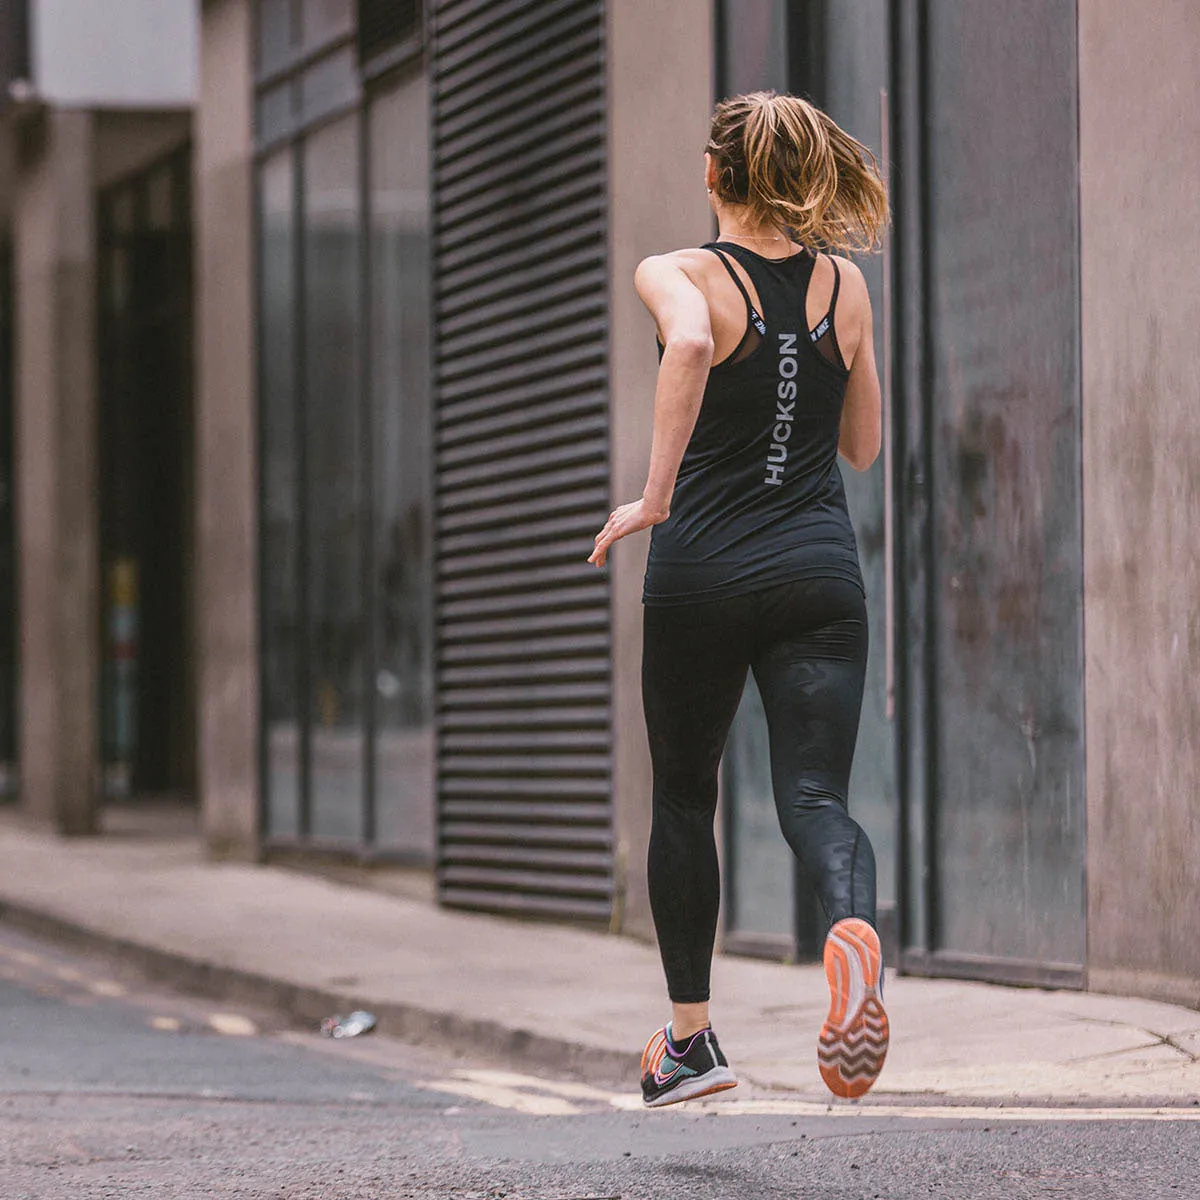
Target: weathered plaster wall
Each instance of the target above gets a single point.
(1140, 217)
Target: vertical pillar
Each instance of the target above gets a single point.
(226, 436)
(56, 469)
(660, 89)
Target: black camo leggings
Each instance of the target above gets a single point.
(806, 643)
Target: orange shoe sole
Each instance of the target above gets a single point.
(854, 1039)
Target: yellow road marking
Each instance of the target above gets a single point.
(556, 1087)
(232, 1025)
(166, 1024)
(21, 956)
(105, 987)
(544, 1097)
(531, 1103)
(923, 1112)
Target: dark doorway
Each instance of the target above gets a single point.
(146, 481)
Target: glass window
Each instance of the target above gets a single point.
(399, 206)
(328, 85)
(280, 495)
(276, 33)
(334, 449)
(326, 19)
(347, 587)
(274, 116)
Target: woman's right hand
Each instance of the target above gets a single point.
(629, 518)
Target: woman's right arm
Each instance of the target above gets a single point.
(680, 311)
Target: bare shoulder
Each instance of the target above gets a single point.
(852, 277)
(854, 301)
(853, 282)
(671, 274)
(691, 261)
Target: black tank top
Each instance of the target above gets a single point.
(759, 499)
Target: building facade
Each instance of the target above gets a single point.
(383, 270)
(95, 193)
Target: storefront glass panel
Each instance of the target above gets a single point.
(399, 361)
(345, 428)
(281, 632)
(334, 483)
(276, 32)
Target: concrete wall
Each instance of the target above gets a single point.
(132, 53)
(660, 90)
(56, 470)
(226, 440)
(1140, 216)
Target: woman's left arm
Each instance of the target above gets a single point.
(680, 312)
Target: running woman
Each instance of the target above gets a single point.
(767, 374)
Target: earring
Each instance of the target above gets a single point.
(709, 191)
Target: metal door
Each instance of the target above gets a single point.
(989, 363)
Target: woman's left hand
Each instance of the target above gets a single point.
(627, 519)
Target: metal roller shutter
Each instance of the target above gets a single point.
(521, 411)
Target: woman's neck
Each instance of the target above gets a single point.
(734, 226)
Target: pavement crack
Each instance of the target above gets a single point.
(1157, 1039)
(1188, 1054)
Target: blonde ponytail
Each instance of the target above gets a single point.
(792, 166)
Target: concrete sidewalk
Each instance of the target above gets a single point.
(540, 993)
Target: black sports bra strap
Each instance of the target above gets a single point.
(755, 319)
(826, 322)
(824, 336)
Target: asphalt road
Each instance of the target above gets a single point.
(113, 1088)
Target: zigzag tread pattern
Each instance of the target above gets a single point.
(853, 1042)
(850, 1060)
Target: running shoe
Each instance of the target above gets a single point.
(695, 1067)
(854, 1038)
